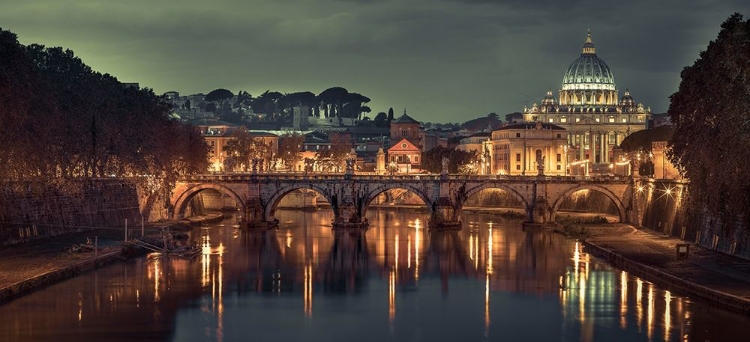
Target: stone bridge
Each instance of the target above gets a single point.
(350, 195)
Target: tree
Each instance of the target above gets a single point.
(219, 95)
(63, 120)
(333, 159)
(242, 149)
(641, 141)
(355, 103)
(332, 100)
(381, 120)
(711, 120)
(390, 115)
(267, 103)
(432, 160)
(290, 146)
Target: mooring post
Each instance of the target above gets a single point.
(126, 230)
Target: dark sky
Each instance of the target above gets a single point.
(442, 60)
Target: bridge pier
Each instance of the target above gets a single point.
(539, 213)
(444, 216)
(254, 215)
(348, 211)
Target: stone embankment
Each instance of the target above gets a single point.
(55, 274)
(38, 263)
(709, 275)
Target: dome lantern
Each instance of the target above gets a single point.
(588, 46)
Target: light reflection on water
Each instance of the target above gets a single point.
(397, 281)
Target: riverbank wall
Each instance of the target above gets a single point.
(665, 206)
(55, 276)
(33, 210)
(669, 281)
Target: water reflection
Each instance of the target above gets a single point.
(346, 266)
(395, 281)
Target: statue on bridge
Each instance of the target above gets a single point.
(350, 165)
(540, 162)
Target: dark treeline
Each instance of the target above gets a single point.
(711, 122)
(61, 120)
(334, 102)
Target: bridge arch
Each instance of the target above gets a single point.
(611, 195)
(373, 193)
(183, 199)
(485, 186)
(269, 208)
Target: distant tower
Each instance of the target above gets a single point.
(300, 118)
(380, 167)
(405, 128)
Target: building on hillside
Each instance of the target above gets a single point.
(590, 109)
(432, 138)
(663, 167)
(405, 128)
(300, 118)
(218, 133)
(404, 157)
(216, 136)
(405, 153)
(518, 149)
(481, 143)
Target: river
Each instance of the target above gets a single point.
(397, 281)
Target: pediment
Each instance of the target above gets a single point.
(587, 120)
(404, 145)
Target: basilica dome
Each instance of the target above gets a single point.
(588, 72)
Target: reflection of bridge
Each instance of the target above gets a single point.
(258, 195)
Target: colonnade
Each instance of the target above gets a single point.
(598, 143)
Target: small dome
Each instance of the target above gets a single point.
(548, 99)
(627, 100)
(588, 72)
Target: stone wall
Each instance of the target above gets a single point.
(33, 210)
(665, 206)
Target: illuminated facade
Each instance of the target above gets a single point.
(406, 152)
(590, 109)
(515, 149)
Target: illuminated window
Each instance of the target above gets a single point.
(611, 119)
(597, 119)
(551, 120)
(640, 118)
(563, 120)
(624, 120)
(578, 119)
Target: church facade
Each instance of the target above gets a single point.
(590, 109)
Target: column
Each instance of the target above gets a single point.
(606, 145)
(581, 146)
(592, 147)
